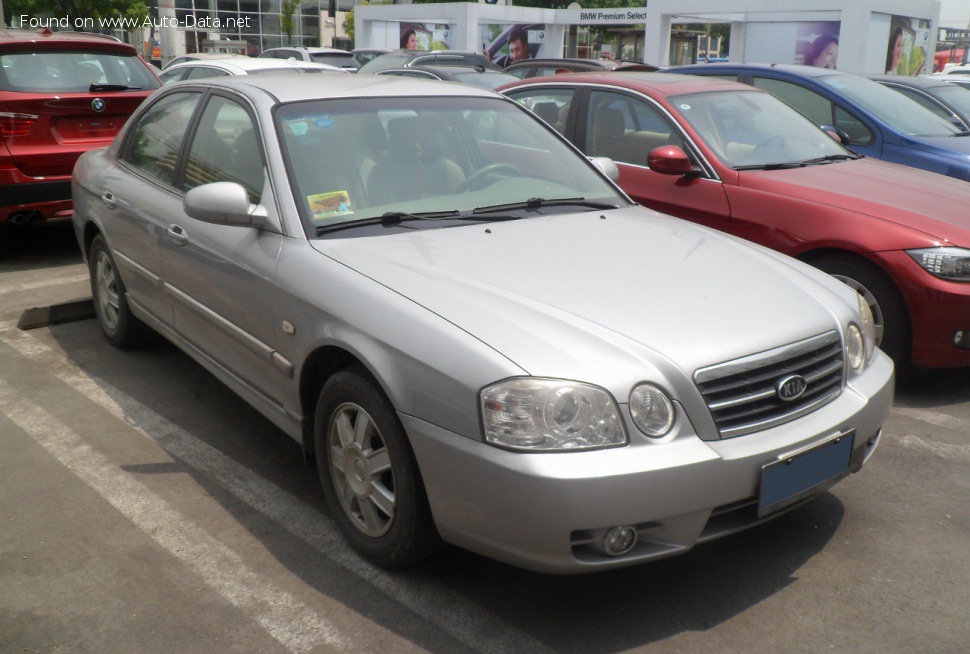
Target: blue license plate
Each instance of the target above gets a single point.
(793, 478)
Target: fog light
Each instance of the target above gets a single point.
(619, 540)
(962, 339)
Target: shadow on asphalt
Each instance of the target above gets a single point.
(602, 612)
(38, 245)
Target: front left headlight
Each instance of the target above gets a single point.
(948, 263)
(860, 340)
(535, 414)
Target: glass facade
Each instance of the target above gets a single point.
(255, 21)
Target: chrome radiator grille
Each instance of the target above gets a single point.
(745, 395)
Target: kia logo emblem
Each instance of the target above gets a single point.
(791, 388)
(97, 104)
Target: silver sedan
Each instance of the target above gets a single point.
(473, 332)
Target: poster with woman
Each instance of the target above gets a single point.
(818, 44)
(906, 49)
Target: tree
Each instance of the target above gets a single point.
(287, 8)
(74, 9)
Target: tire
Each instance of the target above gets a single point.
(889, 312)
(369, 474)
(120, 326)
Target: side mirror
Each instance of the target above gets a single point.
(670, 160)
(607, 166)
(837, 135)
(224, 203)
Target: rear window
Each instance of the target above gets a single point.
(72, 72)
(334, 59)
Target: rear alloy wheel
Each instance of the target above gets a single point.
(120, 327)
(369, 476)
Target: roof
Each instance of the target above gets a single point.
(921, 82)
(804, 71)
(16, 39)
(292, 88)
(242, 65)
(664, 84)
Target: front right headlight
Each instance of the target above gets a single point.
(860, 340)
(536, 414)
(948, 263)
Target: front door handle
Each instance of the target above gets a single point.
(109, 200)
(177, 235)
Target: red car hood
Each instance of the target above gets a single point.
(931, 203)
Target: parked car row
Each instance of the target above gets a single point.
(505, 322)
(738, 159)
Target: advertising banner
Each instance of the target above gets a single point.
(505, 44)
(908, 42)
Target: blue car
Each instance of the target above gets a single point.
(871, 119)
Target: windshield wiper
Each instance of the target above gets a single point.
(772, 166)
(538, 203)
(832, 157)
(106, 88)
(388, 219)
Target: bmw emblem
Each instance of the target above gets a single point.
(97, 104)
(791, 388)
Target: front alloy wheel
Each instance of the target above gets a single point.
(369, 474)
(360, 469)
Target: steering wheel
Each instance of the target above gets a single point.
(501, 168)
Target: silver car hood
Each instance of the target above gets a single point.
(580, 293)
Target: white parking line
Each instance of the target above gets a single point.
(291, 622)
(462, 619)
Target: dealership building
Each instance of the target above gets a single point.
(780, 31)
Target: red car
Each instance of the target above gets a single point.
(61, 94)
(735, 158)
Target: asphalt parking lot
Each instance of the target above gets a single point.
(145, 508)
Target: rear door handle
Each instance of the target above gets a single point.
(109, 200)
(177, 235)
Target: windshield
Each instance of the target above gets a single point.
(749, 128)
(387, 61)
(488, 79)
(360, 159)
(902, 114)
(72, 71)
(956, 97)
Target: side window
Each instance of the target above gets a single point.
(201, 72)
(626, 129)
(929, 103)
(815, 106)
(551, 105)
(858, 133)
(225, 149)
(172, 76)
(154, 142)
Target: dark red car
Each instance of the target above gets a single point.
(61, 94)
(738, 159)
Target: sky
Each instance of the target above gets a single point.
(955, 13)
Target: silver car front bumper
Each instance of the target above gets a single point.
(548, 512)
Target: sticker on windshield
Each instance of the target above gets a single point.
(297, 127)
(685, 107)
(329, 205)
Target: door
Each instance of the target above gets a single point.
(626, 128)
(136, 211)
(221, 277)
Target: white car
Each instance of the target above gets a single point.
(330, 56)
(240, 66)
(203, 56)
